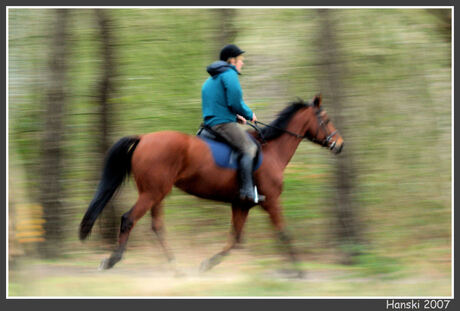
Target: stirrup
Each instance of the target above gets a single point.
(256, 199)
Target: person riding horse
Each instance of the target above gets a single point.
(161, 160)
(223, 106)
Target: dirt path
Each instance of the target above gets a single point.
(242, 274)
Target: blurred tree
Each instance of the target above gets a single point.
(444, 17)
(331, 79)
(25, 63)
(104, 93)
(51, 158)
(227, 31)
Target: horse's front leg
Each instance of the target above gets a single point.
(159, 230)
(239, 216)
(273, 209)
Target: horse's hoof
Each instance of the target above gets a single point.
(204, 266)
(291, 274)
(105, 264)
(302, 274)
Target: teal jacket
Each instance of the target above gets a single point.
(221, 95)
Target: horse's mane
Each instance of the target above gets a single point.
(282, 120)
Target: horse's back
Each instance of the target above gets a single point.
(167, 147)
(172, 141)
(161, 141)
(160, 152)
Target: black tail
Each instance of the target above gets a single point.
(116, 167)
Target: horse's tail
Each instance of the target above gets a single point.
(116, 167)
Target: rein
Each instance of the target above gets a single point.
(258, 130)
(276, 128)
(313, 139)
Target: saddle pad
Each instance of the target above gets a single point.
(225, 156)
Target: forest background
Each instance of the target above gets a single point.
(374, 221)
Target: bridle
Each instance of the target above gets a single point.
(322, 125)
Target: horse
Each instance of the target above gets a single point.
(160, 160)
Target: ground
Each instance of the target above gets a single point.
(241, 274)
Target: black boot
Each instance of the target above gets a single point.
(247, 192)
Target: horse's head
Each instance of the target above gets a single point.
(321, 130)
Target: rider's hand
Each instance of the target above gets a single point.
(240, 119)
(254, 118)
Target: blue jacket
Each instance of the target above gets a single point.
(221, 95)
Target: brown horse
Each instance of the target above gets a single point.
(165, 159)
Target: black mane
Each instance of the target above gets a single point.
(282, 120)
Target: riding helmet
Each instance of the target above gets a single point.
(229, 51)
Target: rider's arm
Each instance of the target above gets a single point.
(235, 96)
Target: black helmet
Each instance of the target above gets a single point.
(229, 51)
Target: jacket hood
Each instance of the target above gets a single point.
(218, 67)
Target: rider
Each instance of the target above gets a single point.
(223, 106)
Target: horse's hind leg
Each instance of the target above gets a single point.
(128, 220)
(239, 216)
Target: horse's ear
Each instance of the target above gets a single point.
(317, 100)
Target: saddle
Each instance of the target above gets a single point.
(224, 155)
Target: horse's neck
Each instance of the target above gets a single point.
(284, 147)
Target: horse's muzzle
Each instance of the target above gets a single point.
(336, 148)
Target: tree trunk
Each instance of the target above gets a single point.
(331, 77)
(105, 89)
(50, 186)
(444, 17)
(227, 31)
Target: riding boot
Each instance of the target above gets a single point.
(247, 192)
